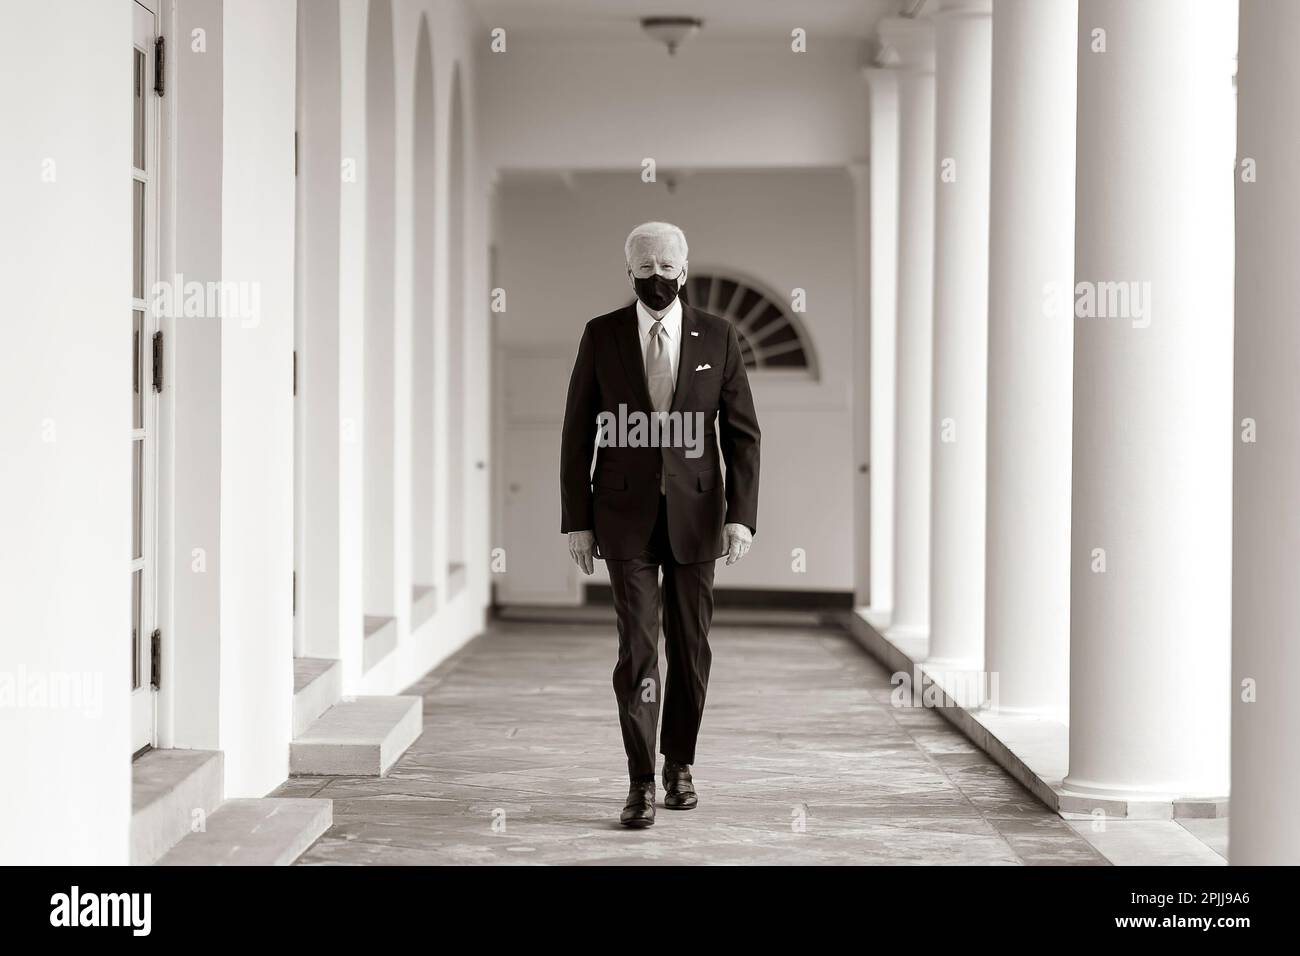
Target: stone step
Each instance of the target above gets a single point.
(271, 831)
(317, 686)
(170, 791)
(359, 736)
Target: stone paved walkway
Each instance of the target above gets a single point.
(802, 760)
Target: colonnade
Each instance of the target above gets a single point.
(1062, 313)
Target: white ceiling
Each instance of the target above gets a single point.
(618, 19)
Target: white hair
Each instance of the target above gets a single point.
(654, 230)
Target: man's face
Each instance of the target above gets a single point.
(655, 256)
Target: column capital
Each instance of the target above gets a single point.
(905, 44)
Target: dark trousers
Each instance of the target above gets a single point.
(687, 604)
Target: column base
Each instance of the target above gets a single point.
(1029, 713)
(1081, 787)
(878, 617)
(963, 680)
(1079, 797)
(913, 638)
(1033, 747)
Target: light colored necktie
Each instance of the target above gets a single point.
(658, 369)
(659, 377)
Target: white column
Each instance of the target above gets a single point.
(883, 189)
(1151, 561)
(1031, 343)
(963, 93)
(910, 45)
(1263, 825)
(351, 344)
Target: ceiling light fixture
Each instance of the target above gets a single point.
(671, 31)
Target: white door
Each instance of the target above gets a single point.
(531, 393)
(145, 379)
(538, 569)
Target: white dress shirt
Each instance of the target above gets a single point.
(672, 321)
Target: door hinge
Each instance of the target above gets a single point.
(295, 152)
(155, 659)
(157, 361)
(295, 371)
(295, 594)
(159, 64)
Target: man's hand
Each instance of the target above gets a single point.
(738, 541)
(581, 544)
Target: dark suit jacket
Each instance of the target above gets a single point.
(619, 499)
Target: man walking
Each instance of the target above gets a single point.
(663, 504)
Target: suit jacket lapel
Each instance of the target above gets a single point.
(692, 332)
(629, 350)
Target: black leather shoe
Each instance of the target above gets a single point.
(679, 790)
(639, 811)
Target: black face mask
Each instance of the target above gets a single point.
(655, 291)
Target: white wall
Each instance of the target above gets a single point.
(316, 306)
(262, 244)
(451, 31)
(587, 104)
(65, 255)
(454, 36)
(227, 490)
(561, 263)
(258, 212)
(351, 344)
(381, 594)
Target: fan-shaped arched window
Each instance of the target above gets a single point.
(770, 335)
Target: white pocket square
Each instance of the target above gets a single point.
(701, 368)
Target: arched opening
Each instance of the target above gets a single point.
(377, 436)
(423, 394)
(770, 334)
